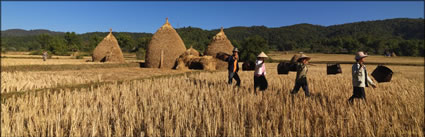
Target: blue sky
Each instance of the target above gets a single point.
(144, 16)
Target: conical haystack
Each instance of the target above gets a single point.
(108, 50)
(191, 51)
(220, 43)
(164, 48)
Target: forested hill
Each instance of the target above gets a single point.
(21, 32)
(402, 35)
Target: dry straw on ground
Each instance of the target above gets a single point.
(108, 50)
(166, 44)
(204, 105)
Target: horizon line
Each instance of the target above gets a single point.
(215, 29)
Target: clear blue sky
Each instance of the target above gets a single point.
(140, 16)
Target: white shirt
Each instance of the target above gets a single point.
(359, 74)
(260, 68)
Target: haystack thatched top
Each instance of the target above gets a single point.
(220, 35)
(110, 36)
(166, 25)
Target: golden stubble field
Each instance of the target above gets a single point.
(202, 104)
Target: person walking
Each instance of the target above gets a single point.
(233, 67)
(260, 73)
(44, 55)
(301, 78)
(360, 77)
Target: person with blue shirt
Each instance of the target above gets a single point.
(233, 67)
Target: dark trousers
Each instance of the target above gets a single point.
(234, 75)
(302, 84)
(358, 92)
(261, 82)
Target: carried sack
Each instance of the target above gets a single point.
(382, 74)
(333, 69)
(283, 68)
(222, 56)
(248, 65)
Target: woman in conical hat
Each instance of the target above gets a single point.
(301, 79)
(260, 73)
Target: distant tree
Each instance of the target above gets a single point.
(251, 47)
(126, 42)
(45, 41)
(92, 43)
(142, 43)
(73, 42)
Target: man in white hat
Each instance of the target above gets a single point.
(260, 73)
(360, 77)
(301, 79)
(233, 67)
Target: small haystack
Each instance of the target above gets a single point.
(191, 51)
(220, 43)
(195, 62)
(108, 50)
(164, 48)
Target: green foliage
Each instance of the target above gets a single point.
(251, 47)
(140, 54)
(72, 41)
(126, 42)
(404, 36)
(142, 43)
(92, 43)
(79, 57)
(195, 37)
(54, 44)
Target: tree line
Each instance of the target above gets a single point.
(403, 36)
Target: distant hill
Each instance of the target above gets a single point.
(21, 32)
(402, 35)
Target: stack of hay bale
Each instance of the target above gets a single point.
(191, 60)
(220, 46)
(164, 48)
(108, 50)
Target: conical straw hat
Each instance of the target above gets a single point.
(303, 56)
(262, 55)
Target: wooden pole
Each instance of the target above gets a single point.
(162, 59)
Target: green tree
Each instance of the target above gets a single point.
(45, 41)
(251, 47)
(142, 43)
(72, 41)
(59, 47)
(93, 42)
(126, 42)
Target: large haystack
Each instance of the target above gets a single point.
(108, 50)
(164, 48)
(220, 43)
